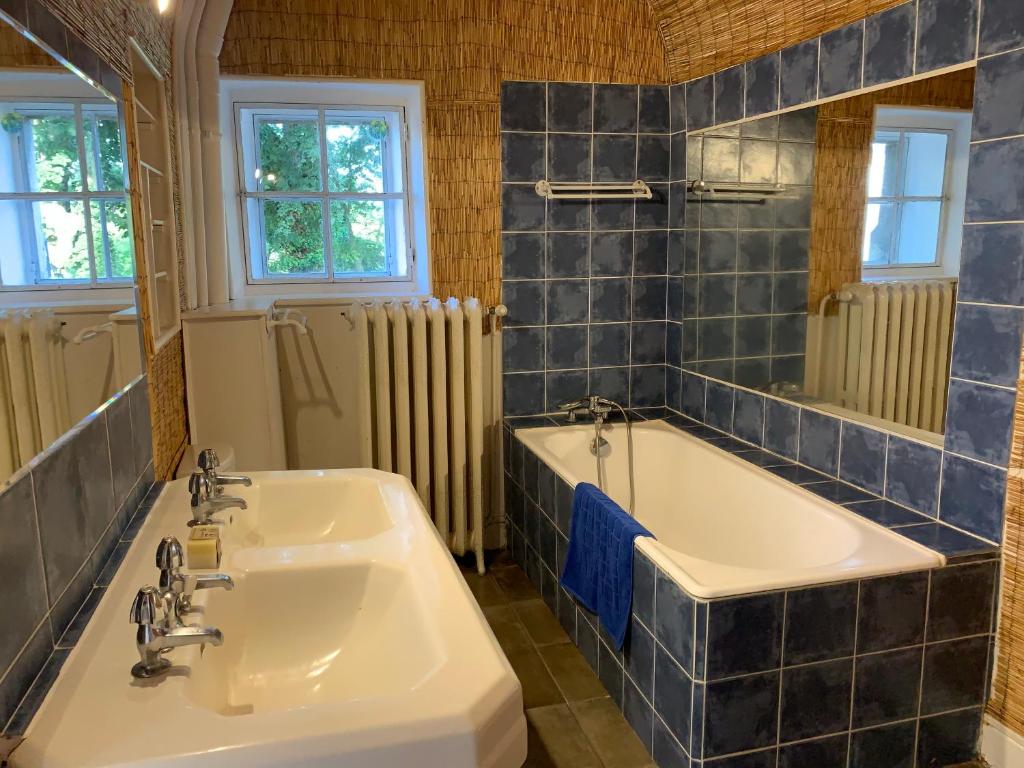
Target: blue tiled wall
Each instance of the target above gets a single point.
(883, 671)
(740, 268)
(964, 484)
(67, 520)
(585, 283)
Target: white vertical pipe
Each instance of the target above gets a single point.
(21, 395)
(8, 433)
(457, 422)
(475, 426)
(420, 391)
(382, 385)
(364, 398)
(42, 375)
(400, 380)
(439, 412)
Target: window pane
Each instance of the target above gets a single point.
(355, 154)
(881, 223)
(294, 237)
(54, 165)
(883, 172)
(926, 163)
(63, 248)
(111, 240)
(289, 155)
(103, 142)
(358, 236)
(18, 228)
(919, 232)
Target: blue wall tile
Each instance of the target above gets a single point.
(972, 497)
(523, 393)
(568, 157)
(748, 417)
(762, 84)
(648, 343)
(615, 108)
(677, 107)
(569, 215)
(954, 675)
(840, 65)
(980, 421)
(525, 302)
(799, 78)
(820, 623)
(740, 714)
(886, 745)
(912, 476)
(819, 441)
(567, 254)
(647, 386)
(610, 300)
(522, 156)
(522, 256)
(863, 457)
(999, 97)
(654, 109)
(568, 301)
(666, 750)
(563, 386)
(960, 601)
(992, 193)
(946, 33)
(615, 158)
(609, 344)
(611, 254)
(892, 611)
(992, 264)
(815, 700)
(694, 394)
(650, 253)
(886, 687)
(649, 298)
(986, 344)
(521, 208)
(889, 44)
(781, 428)
(612, 383)
(700, 103)
(567, 346)
(569, 107)
(719, 406)
(638, 713)
(522, 106)
(828, 751)
(523, 349)
(744, 635)
(1002, 26)
(672, 695)
(949, 739)
(729, 95)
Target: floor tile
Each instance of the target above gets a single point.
(610, 735)
(571, 673)
(556, 740)
(539, 689)
(540, 623)
(485, 590)
(513, 583)
(508, 629)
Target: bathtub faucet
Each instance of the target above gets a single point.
(593, 405)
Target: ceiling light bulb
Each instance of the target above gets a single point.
(163, 5)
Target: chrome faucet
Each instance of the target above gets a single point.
(203, 509)
(153, 639)
(593, 405)
(177, 588)
(208, 463)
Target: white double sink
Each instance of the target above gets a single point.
(350, 640)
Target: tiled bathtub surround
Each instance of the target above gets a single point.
(882, 671)
(67, 519)
(584, 282)
(742, 273)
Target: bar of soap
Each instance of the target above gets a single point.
(203, 548)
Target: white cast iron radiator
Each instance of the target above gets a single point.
(893, 343)
(33, 387)
(422, 407)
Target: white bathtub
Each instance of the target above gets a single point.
(724, 526)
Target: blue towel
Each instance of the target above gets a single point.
(599, 565)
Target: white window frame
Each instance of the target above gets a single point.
(957, 124)
(21, 158)
(404, 99)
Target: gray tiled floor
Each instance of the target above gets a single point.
(571, 720)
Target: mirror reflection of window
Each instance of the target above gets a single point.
(916, 178)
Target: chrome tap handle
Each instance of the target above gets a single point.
(169, 554)
(199, 484)
(208, 460)
(143, 611)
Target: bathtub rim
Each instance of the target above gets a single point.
(655, 551)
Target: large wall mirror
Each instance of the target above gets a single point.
(69, 336)
(823, 249)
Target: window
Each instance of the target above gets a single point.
(916, 181)
(62, 195)
(325, 193)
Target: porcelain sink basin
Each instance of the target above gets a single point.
(287, 511)
(312, 635)
(350, 640)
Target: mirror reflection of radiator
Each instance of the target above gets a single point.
(891, 351)
(33, 386)
(422, 410)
